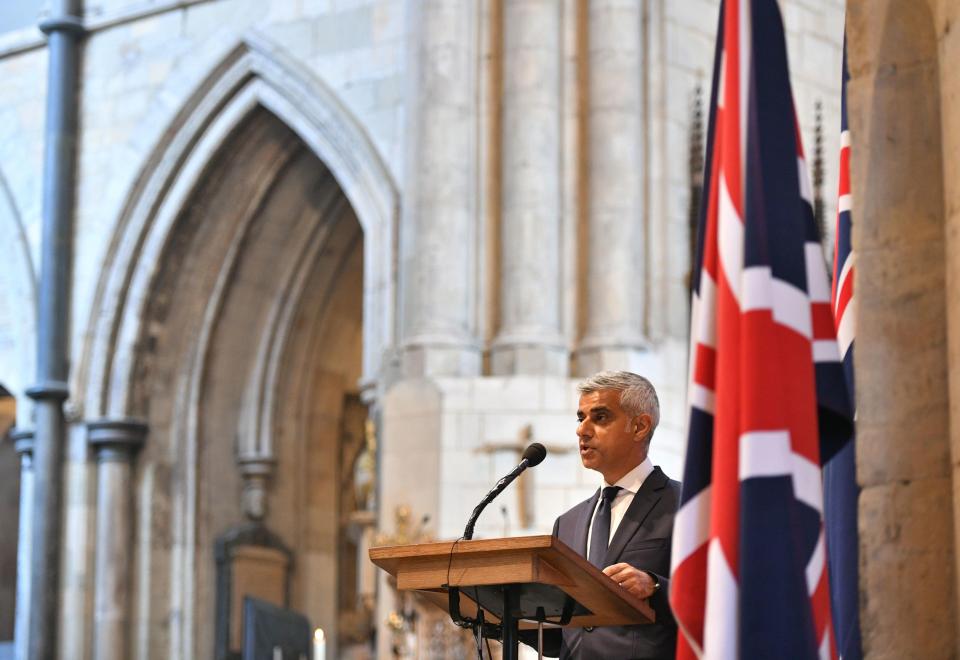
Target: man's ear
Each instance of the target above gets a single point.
(641, 427)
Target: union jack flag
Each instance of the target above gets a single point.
(842, 294)
(840, 490)
(767, 395)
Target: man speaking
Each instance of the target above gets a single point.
(625, 528)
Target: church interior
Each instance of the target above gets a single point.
(306, 276)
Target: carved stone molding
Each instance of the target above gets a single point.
(23, 444)
(116, 439)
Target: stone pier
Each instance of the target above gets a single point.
(115, 443)
(904, 369)
(438, 239)
(529, 339)
(615, 285)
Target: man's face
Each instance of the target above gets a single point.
(611, 442)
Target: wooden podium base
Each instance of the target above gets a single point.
(513, 580)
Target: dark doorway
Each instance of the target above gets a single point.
(9, 514)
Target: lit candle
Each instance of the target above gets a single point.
(319, 645)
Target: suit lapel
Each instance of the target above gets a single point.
(583, 526)
(643, 502)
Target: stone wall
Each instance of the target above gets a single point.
(137, 76)
(142, 60)
(21, 146)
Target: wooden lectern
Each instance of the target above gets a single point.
(516, 581)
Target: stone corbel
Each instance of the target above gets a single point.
(256, 472)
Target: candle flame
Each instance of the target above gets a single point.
(318, 635)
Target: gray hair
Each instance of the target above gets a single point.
(637, 395)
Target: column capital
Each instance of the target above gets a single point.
(116, 439)
(64, 23)
(256, 465)
(22, 441)
(49, 389)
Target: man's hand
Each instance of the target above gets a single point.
(637, 582)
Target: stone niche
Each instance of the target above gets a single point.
(251, 561)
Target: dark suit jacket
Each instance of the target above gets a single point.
(643, 541)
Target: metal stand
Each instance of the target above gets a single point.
(541, 617)
(510, 623)
(508, 630)
(489, 630)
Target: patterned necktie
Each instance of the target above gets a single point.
(600, 533)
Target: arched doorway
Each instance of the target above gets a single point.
(246, 294)
(9, 513)
(248, 379)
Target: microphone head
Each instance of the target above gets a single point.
(535, 454)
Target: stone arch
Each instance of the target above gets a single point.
(255, 91)
(18, 305)
(262, 252)
(254, 74)
(18, 302)
(903, 419)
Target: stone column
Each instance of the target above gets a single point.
(614, 292)
(902, 348)
(438, 233)
(530, 340)
(23, 443)
(115, 443)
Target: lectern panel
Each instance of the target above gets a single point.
(552, 599)
(528, 562)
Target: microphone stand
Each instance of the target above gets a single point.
(496, 490)
(507, 631)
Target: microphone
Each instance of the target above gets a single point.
(532, 456)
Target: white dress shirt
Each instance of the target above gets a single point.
(629, 484)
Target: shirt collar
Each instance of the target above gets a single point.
(633, 480)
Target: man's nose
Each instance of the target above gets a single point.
(584, 429)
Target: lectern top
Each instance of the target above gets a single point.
(544, 560)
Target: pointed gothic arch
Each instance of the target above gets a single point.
(18, 303)
(254, 74)
(18, 287)
(254, 91)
